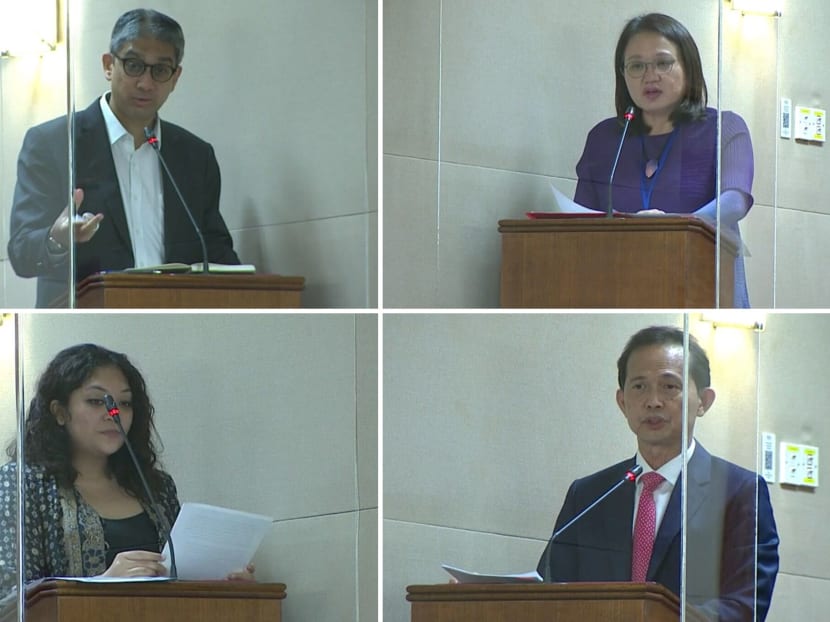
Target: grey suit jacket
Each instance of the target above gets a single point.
(43, 187)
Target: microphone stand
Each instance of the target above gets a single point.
(115, 413)
(154, 143)
(630, 476)
(628, 116)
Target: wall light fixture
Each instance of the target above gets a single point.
(749, 320)
(758, 7)
(28, 27)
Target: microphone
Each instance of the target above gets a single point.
(154, 143)
(628, 116)
(114, 412)
(630, 476)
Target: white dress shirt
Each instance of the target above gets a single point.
(670, 472)
(139, 177)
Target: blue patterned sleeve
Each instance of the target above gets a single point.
(35, 510)
(8, 528)
(42, 526)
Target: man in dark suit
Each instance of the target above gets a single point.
(723, 499)
(125, 212)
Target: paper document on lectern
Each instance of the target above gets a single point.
(565, 205)
(212, 541)
(465, 576)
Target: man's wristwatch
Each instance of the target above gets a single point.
(54, 247)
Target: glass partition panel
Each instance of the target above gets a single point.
(748, 96)
(499, 430)
(266, 414)
(771, 77)
(529, 420)
(802, 215)
(729, 539)
(489, 104)
(792, 398)
(119, 169)
(34, 166)
(272, 94)
(10, 579)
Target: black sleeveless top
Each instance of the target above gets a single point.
(136, 533)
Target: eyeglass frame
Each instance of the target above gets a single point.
(626, 71)
(145, 66)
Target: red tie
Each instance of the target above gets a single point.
(644, 526)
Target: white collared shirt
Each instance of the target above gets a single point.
(670, 472)
(139, 177)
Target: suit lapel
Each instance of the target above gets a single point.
(619, 518)
(172, 208)
(697, 478)
(95, 169)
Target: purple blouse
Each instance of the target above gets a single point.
(685, 184)
(687, 181)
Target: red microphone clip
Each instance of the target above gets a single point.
(152, 140)
(629, 113)
(112, 407)
(631, 474)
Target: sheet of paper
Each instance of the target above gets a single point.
(111, 579)
(212, 541)
(568, 206)
(465, 576)
(218, 268)
(225, 268)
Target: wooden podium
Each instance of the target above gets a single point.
(626, 262)
(546, 602)
(119, 290)
(205, 601)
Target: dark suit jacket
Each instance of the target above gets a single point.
(720, 547)
(42, 189)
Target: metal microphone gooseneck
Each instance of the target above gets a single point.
(154, 143)
(628, 116)
(115, 413)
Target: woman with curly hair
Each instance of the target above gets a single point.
(86, 512)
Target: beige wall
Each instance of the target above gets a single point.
(274, 414)
(509, 409)
(486, 103)
(287, 94)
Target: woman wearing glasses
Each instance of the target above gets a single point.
(668, 159)
(86, 511)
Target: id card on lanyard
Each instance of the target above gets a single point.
(647, 183)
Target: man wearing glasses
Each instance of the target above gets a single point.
(126, 212)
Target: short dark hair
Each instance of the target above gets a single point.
(666, 335)
(149, 24)
(693, 105)
(46, 443)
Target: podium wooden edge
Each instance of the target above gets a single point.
(176, 281)
(46, 589)
(614, 590)
(626, 223)
(91, 291)
(220, 588)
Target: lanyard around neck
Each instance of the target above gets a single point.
(647, 183)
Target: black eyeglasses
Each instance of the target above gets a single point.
(135, 67)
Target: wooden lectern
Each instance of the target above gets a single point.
(120, 290)
(205, 601)
(546, 602)
(626, 262)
